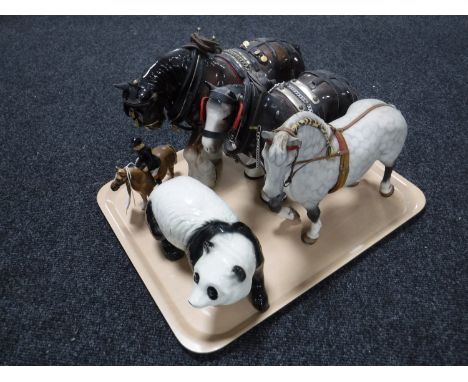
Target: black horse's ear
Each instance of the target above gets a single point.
(210, 85)
(239, 272)
(122, 86)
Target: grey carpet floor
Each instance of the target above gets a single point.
(68, 293)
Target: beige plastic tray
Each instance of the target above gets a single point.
(353, 219)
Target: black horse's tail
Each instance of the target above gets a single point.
(152, 223)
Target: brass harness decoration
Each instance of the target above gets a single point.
(342, 151)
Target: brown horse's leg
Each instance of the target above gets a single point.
(172, 159)
(145, 201)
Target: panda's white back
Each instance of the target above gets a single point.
(183, 204)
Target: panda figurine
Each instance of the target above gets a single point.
(226, 257)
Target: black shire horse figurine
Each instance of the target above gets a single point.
(237, 114)
(175, 84)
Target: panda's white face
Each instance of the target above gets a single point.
(223, 274)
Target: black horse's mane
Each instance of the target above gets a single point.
(179, 56)
(202, 236)
(166, 68)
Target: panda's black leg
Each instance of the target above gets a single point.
(258, 294)
(171, 252)
(152, 223)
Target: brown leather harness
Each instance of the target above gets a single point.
(342, 151)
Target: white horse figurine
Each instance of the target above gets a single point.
(307, 158)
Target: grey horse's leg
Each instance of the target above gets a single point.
(386, 187)
(311, 236)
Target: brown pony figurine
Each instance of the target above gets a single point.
(168, 157)
(142, 181)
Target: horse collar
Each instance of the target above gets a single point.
(342, 152)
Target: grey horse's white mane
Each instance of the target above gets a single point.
(303, 118)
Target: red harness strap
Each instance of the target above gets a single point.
(344, 161)
(202, 113)
(288, 148)
(237, 121)
(232, 69)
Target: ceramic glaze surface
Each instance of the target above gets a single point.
(183, 204)
(226, 264)
(380, 135)
(216, 269)
(174, 85)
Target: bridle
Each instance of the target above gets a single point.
(231, 98)
(128, 183)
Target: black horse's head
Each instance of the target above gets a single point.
(142, 103)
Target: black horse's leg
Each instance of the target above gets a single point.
(258, 294)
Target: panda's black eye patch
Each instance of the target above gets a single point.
(212, 293)
(196, 277)
(239, 272)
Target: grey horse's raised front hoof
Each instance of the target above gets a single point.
(388, 194)
(307, 240)
(253, 177)
(295, 214)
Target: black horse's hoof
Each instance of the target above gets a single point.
(171, 252)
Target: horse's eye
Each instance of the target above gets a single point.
(143, 95)
(196, 277)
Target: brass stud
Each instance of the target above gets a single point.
(264, 58)
(246, 43)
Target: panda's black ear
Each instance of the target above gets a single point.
(239, 272)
